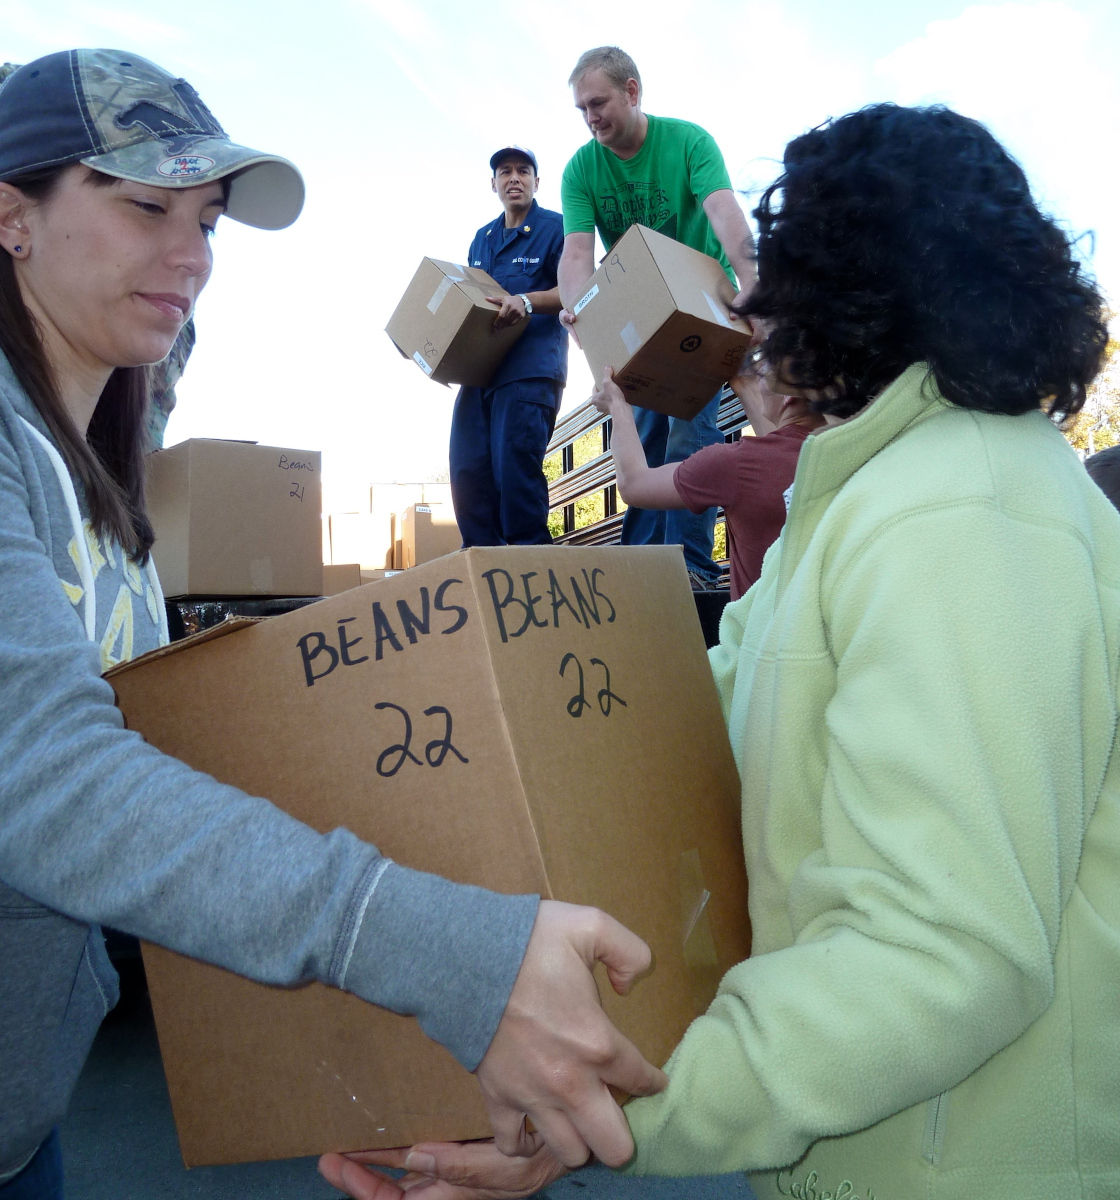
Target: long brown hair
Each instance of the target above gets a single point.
(109, 460)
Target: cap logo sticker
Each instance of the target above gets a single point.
(185, 164)
(690, 343)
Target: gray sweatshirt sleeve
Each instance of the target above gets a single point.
(96, 824)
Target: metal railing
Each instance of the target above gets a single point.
(597, 474)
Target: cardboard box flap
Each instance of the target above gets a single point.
(229, 625)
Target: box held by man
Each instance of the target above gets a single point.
(528, 719)
(658, 312)
(446, 326)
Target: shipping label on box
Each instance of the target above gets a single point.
(445, 324)
(658, 312)
(236, 519)
(527, 719)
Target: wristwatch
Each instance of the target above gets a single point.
(528, 304)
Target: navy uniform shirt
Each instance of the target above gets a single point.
(526, 259)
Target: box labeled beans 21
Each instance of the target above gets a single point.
(527, 719)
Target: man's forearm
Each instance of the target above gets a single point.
(546, 302)
(730, 226)
(576, 268)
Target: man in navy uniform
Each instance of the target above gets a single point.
(499, 433)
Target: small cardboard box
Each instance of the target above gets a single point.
(236, 519)
(658, 312)
(428, 531)
(444, 323)
(500, 718)
(340, 577)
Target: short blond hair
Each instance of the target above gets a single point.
(613, 61)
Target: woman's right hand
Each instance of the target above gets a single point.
(442, 1171)
(608, 395)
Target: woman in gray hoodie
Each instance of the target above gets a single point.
(112, 176)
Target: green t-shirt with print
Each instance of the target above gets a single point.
(663, 187)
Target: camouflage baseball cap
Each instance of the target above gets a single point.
(124, 116)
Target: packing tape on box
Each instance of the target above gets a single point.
(717, 310)
(260, 574)
(700, 958)
(445, 285)
(631, 339)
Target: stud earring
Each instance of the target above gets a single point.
(18, 249)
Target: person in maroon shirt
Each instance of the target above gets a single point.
(750, 478)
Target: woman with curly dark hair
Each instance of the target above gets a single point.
(921, 691)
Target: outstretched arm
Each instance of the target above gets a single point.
(638, 484)
(730, 226)
(577, 265)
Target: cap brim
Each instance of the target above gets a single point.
(266, 191)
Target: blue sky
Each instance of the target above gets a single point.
(391, 109)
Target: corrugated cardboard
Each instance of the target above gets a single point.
(444, 323)
(340, 577)
(529, 719)
(364, 538)
(236, 519)
(658, 312)
(428, 531)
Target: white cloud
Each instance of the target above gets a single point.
(1037, 76)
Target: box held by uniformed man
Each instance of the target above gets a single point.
(236, 519)
(658, 312)
(446, 326)
(527, 719)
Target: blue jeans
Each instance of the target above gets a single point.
(672, 440)
(41, 1179)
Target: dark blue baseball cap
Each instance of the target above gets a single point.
(500, 156)
(122, 115)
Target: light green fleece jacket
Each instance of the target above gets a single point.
(921, 691)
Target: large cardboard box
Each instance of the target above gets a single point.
(658, 313)
(445, 324)
(528, 719)
(236, 519)
(428, 531)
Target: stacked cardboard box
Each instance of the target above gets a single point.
(382, 538)
(236, 519)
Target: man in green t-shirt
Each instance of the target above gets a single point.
(668, 175)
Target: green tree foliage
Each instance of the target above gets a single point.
(1098, 424)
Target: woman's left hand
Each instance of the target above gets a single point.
(442, 1171)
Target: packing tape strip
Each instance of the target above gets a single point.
(717, 310)
(700, 958)
(631, 339)
(445, 285)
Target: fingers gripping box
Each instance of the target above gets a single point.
(445, 324)
(529, 719)
(658, 312)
